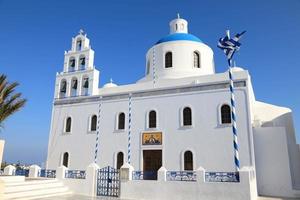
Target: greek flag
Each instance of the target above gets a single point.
(230, 45)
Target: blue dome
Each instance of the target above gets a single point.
(179, 36)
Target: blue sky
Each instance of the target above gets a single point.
(34, 35)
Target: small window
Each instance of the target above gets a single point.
(187, 116)
(63, 89)
(79, 45)
(94, 123)
(148, 67)
(120, 160)
(168, 60)
(66, 159)
(196, 60)
(121, 121)
(225, 114)
(188, 160)
(152, 119)
(68, 125)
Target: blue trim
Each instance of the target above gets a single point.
(179, 36)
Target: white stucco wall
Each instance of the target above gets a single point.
(210, 142)
(272, 162)
(267, 115)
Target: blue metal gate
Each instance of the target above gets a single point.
(108, 182)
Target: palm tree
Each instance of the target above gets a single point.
(10, 102)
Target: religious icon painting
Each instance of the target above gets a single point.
(152, 138)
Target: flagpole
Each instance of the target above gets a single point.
(233, 114)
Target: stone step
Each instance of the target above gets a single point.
(36, 193)
(31, 182)
(40, 196)
(12, 179)
(31, 186)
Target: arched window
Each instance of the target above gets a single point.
(120, 160)
(94, 123)
(72, 64)
(85, 86)
(148, 67)
(168, 60)
(68, 125)
(82, 63)
(196, 59)
(225, 114)
(74, 87)
(63, 89)
(79, 45)
(188, 160)
(65, 159)
(152, 119)
(187, 116)
(121, 121)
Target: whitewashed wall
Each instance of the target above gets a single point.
(210, 141)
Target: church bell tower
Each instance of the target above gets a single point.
(79, 76)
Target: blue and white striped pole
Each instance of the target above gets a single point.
(153, 67)
(233, 115)
(98, 131)
(129, 130)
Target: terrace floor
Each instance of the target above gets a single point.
(80, 197)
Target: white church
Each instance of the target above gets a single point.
(175, 118)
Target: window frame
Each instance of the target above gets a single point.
(185, 163)
(193, 157)
(62, 159)
(148, 119)
(183, 116)
(91, 123)
(118, 121)
(148, 63)
(199, 59)
(165, 59)
(220, 114)
(65, 125)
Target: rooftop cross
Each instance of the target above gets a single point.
(178, 16)
(81, 32)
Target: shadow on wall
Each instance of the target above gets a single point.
(286, 120)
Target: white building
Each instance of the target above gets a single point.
(180, 117)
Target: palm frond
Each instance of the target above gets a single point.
(10, 102)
